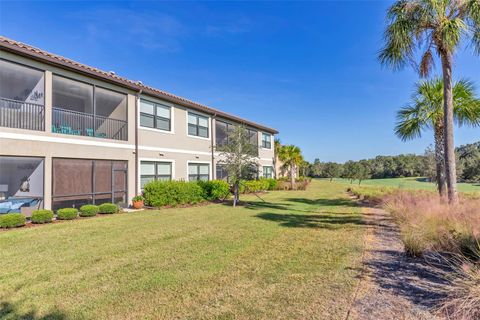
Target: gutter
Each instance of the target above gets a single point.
(137, 102)
(214, 172)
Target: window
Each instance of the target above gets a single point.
(80, 181)
(266, 140)
(72, 95)
(198, 171)
(152, 170)
(222, 131)
(221, 172)
(21, 182)
(110, 104)
(253, 136)
(154, 115)
(22, 94)
(22, 84)
(197, 125)
(268, 172)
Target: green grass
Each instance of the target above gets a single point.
(294, 256)
(411, 183)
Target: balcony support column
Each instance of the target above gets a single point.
(48, 101)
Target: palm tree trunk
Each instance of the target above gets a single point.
(450, 167)
(440, 160)
(292, 176)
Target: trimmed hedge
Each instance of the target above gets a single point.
(215, 189)
(108, 208)
(42, 216)
(12, 220)
(67, 214)
(256, 185)
(172, 193)
(88, 210)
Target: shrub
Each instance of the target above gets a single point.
(215, 189)
(272, 183)
(108, 208)
(88, 210)
(252, 186)
(67, 214)
(172, 193)
(12, 220)
(42, 216)
(463, 290)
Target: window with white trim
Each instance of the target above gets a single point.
(266, 140)
(154, 170)
(198, 171)
(197, 125)
(268, 172)
(154, 115)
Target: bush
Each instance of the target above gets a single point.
(67, 214)
(108, 208)
(12, 220)
(172, 193)
(272, 183)
(252, 186)
(215, 189)
(88, 210)
(42, 216)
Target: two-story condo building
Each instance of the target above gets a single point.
(71, 134)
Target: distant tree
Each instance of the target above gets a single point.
(426, 111)
(291, 157)
(349, 170)
(332, 170)
(433, 26)
(362, 171)
(316, 168)
(239, 157)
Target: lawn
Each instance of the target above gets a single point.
(294, 256)
(411, 183)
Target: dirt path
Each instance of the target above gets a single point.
(394, 286)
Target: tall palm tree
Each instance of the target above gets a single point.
(433, 26)
(291, 157)
(426, 111)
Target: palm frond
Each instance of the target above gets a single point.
(427, 63)
(466, 104)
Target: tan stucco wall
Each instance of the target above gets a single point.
(176, 146)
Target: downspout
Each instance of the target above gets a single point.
(137, 101)
(214, 172)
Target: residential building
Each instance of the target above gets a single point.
(71, 134)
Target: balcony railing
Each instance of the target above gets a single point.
(21, 115)
(86, 124)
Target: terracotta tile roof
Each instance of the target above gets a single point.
(50, 58)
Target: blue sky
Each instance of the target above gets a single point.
(308, 69)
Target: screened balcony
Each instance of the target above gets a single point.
(82, 109)
(21, 97)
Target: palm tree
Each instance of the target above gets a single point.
(426, 111)
(291, 157)
(433, 26)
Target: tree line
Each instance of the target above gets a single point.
(400, 166)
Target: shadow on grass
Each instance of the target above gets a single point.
(10, 311)
(324, 221)
(338, 202)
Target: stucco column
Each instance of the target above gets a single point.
(48, 101)
(47, 183)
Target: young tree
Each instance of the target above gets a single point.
(238, 156)
(349, 170)
(332, 170)
(433, 26)
(291, 156)
(426, 111)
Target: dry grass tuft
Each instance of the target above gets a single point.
(463, 291)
